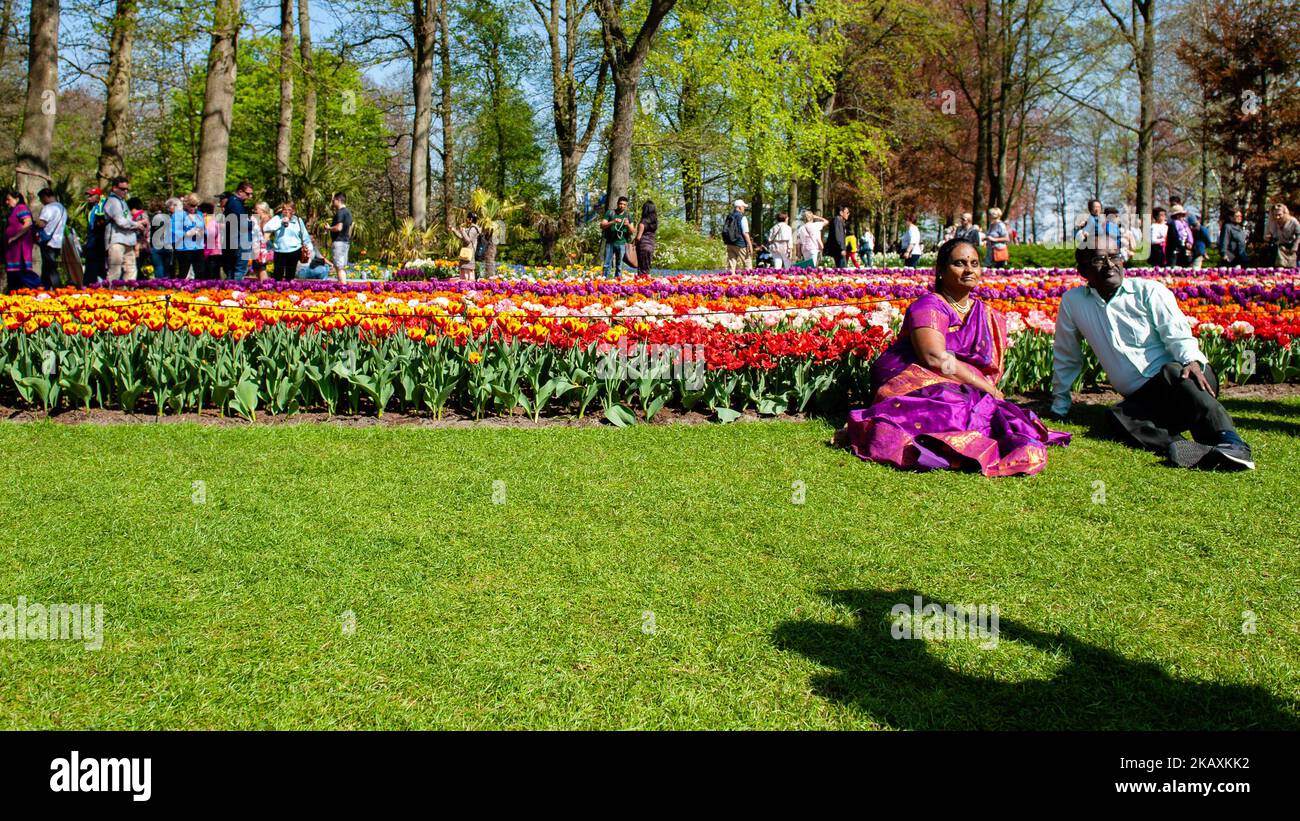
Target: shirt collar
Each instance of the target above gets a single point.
(1125, 287)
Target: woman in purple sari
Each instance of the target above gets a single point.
(937, 404)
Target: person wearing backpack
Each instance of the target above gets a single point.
(735, 233)
(289, 238)
(616, 229)
(50, 224)
(122, 232)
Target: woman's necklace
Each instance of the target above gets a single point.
(957, 306)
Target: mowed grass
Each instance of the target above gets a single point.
(655, 577)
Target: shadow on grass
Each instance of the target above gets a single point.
(1245, 413)
(901, 684)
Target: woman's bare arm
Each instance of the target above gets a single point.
(933, 353)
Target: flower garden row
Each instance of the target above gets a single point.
(762, 340)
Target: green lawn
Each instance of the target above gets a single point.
(655, 577)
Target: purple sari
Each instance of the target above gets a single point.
(925, 420)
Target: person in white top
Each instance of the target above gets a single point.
(914, 246)
(50, 224)
(867, 246)
(779, 240)
(810, 238)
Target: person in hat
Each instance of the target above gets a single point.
(735, 234)
(1178, 248)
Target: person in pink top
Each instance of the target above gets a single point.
(211, 242)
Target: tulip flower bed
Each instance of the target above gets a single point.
(768, 341)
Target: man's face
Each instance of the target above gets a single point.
(622, 206)
(1104, 269)
(844, 213)
(123, 188)
(965, 219)
(244, 193)
(1094, 208)
(92, 197)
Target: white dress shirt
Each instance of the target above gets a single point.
(1137, 333)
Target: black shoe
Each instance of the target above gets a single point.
(1187, 454)
(1229, 456)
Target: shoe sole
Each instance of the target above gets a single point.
(1188, 454)
(1234, 462)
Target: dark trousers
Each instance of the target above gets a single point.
(94, 264)
(837, 255)
(286, 265)
(186, 261)
(1158, 412)
(50, 258)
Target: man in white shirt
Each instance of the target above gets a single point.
(740, 246)
(51, 222)
(1147, 349)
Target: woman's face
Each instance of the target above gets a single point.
(1237, 217)
(190, 207)
(288, 211)
(10, 200)
(963, 270)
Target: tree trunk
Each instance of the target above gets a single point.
(563, 40)
(448, 137)
(309, 86)
(33, 155)
(1146, 60)
(6, 20)
(422, 86)
(218, 100)
(118, 95)
(284, 129)
(620, 138)
(625, 60)
(794, 200)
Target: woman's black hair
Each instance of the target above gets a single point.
(472, 217)
(650, 216)
(945, 256)
(207, 207)
(13, 192)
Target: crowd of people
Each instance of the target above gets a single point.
(181, 238)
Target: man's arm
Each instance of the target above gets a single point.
(1067, 360)
(1173, 329)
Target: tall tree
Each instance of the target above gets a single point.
(626, 58)
(33, 155)
(425, 29)
(121, 40)
(309, 85)
(448, 151)
(218, 99)
(284, 129)
(563, 20)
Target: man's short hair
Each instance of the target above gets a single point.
(45, 192)
(339, 196)
(244, 184)
(620, 199)
(116, 181)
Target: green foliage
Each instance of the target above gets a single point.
(351, 143)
